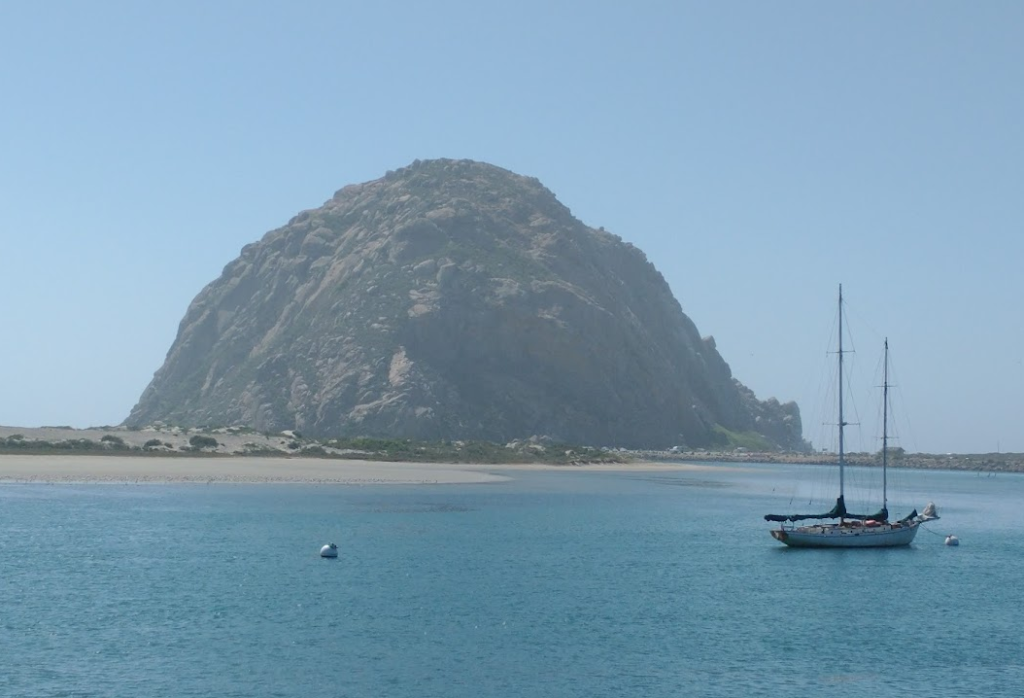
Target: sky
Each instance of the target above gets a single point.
(759, 153)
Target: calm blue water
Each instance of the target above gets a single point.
(555, 584)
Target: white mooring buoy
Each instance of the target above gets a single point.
(952, 540)
(329, 550)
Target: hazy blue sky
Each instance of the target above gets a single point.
(759, 153)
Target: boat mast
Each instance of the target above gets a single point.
(885, 425)
(841, 422)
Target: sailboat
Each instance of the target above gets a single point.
(853, 530)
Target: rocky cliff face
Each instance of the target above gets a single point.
(454, 300)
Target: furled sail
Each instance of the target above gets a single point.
(910, 517)
(837, 512)
(880, 515)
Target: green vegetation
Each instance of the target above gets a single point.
(366, 448)
(18, 444)
(469, 451)
(251, 448)
(733, 448)
(201, 441)
(748, 440)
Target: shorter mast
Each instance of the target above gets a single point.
(885, 427)
(841, 422)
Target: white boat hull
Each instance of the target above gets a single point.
(846, 536)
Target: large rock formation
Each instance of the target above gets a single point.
(451, 300)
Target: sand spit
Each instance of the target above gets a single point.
(240, 469)
(245, 470)
(169, 451)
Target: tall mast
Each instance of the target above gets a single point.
(885, 425)
(841, 422)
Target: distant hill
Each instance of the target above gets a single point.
(453, 300)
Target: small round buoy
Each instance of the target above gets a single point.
(952, 540)
(329, 550)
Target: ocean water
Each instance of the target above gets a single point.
(562, 583)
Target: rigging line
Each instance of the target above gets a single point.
(902, 413)
(862, 323)
(865, 322)
(899, 418)
(821, 411)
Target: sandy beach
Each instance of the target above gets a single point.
(253, 470)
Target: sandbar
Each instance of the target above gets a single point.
(254, 470)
